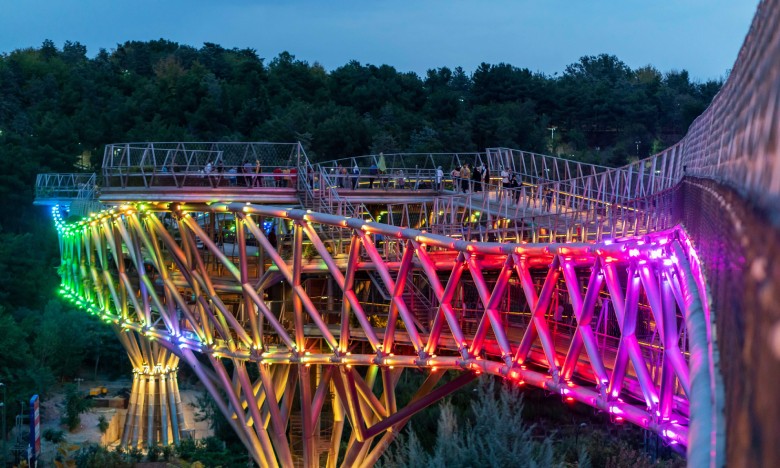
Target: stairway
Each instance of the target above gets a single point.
(415, 299)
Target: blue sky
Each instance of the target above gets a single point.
(700, 36)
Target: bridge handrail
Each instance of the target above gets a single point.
(62, 186)
(195, 164)
(321, 194)
(536, 165)
(610, 186)
(400, 178)
(409, 161)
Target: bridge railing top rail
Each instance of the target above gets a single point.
(320, 190)
(159, 154)
(180, 164)
(535, 165)
(608, 184)
(66, 186)
(408, 161)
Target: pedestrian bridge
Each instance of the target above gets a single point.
(299, 292)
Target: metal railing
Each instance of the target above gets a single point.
(75, 193)
(319, 192)
(194, 164)
(595, 202)
(535, 166)
(409, 161)
(602, 186)
(65, 187)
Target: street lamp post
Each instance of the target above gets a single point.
(552, 137)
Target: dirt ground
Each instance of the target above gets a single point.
(52, 409)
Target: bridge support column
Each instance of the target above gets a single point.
(154, 412)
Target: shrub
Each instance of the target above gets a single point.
(102, 424)
(154, 453)
(53, 435)
(95, 456)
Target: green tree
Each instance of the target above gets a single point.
(75, 405)
(102, 424)
(341, 134)
(64, 338)
(493, 432)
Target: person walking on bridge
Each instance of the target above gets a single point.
(384, 178)
(439, 178)
(548, 197)
(247, 168)
(355, 176)
(220, 171)
(507, 187)
(256, 179)
(207, 170)
(465, 176)
(504, 183)
(476, 177)
(373, 171)
(455, 174)
(340, 176)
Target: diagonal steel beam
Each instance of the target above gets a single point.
(539, 305)
(491, 302)
(583, 312)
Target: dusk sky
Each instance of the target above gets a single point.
(701, 36)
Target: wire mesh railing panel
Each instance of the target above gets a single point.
(61, 187)
(200, 164)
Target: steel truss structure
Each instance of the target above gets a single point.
(289, 366)
(302, 340)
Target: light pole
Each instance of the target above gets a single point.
(638, 142)
(552, 137)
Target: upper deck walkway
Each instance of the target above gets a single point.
(552, 198)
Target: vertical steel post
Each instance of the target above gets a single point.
(179, 409)
(300, 340)
(271, 391)
(174, 410)
(150, 401)
(304, 388)
(139, 411)
(249, 309)
(129, 415)
(163, 410)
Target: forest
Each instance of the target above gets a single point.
(59, 106)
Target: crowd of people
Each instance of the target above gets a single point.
(464, 178)
(249, 174)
